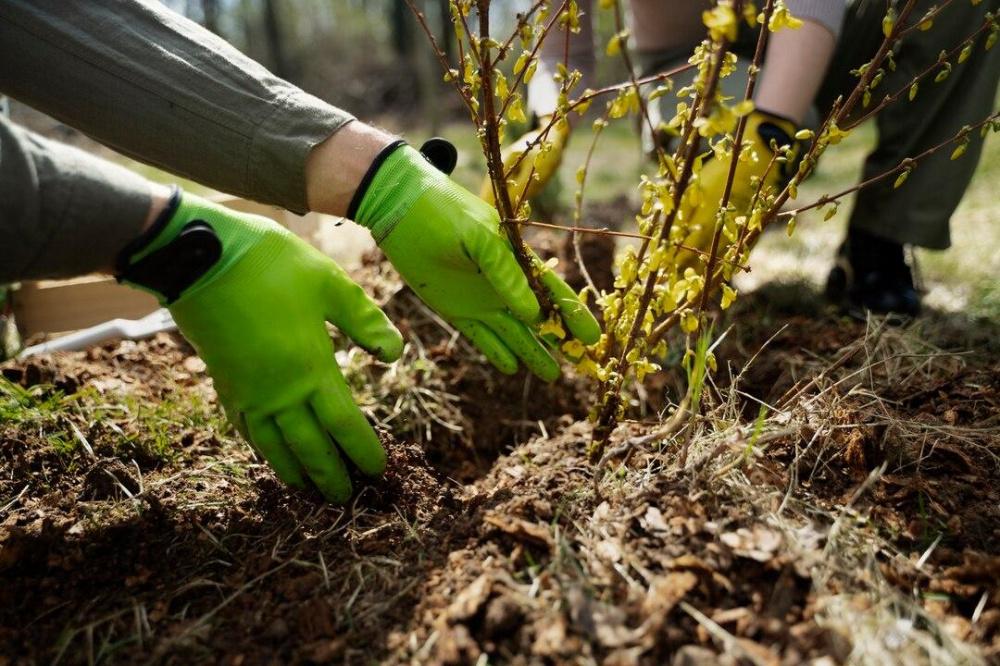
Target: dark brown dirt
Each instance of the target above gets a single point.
(497, 411)
(196, 554)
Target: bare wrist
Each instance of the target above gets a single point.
(159, 197)
(335, 168)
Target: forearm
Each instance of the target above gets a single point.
(64, 212)
(827, 13)
(336, 167)
(159, 88)
(794, 67)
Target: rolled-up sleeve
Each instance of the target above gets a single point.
(828, 13)
(63, 212)
(158, 87)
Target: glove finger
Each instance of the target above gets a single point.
(265, 437)
(353, 312)
(526, 346)
(336, 411)
(497, 262)
(316, 452)
(489, 344)
(574, 313)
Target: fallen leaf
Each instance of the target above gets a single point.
(470, 600)
(604, 622)
(608, 550)
(550, 641)
(666, 592)
(194, 365)
(695, 655)
(516, 471)
(653, 521)
(758, 544)
(758, 654)
(623, 657)
(520, 528)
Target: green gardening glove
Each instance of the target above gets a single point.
(447, 245)
(254, 300)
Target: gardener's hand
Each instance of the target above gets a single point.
(534, 171)
(765, 133)
(447, 245)
(254, 300)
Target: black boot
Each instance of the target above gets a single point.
(871, 275)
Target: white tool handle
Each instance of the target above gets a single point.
(133, 329)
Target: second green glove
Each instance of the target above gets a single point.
(447, 245)
(254, 300)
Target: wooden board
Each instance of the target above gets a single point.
(57, 306)
(60, 306)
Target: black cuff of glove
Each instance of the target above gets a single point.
(146, 237)
(439, 152)
(359, 193)
(771, 130)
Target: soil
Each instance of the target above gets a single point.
(873, 490)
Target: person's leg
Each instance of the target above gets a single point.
(918, 212)
(64, 212)
(872, 273)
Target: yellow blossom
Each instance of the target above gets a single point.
(552, 327)
(782, 18)
(721, 22)
(689, 322)
(574, 349)
(515, 112)
(728, 296)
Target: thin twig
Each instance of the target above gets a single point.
(589, 96)
(905, 164)
(604, 231)
(741, 125)
(522, 20)
(443, 59)
(889, 99)
(494, 162)
(611, 388)
(534, 51)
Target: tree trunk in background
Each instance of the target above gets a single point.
(428, 70)
(402, 29)
(210, 15)
(275, 43)
(415, 56)
(445, 37)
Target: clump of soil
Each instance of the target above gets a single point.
(866, 503)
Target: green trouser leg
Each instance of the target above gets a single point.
(918, 212)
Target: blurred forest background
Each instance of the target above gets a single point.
(368, 56)
(371, 58)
